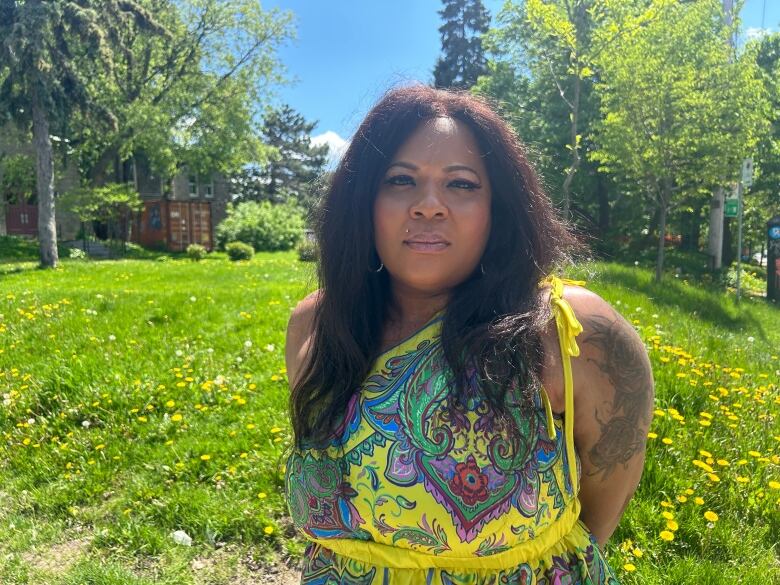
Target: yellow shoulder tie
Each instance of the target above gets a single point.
(568, 328)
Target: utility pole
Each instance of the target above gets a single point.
(715, 243)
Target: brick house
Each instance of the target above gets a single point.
(177, 211)
(19, 211)
(180, 211)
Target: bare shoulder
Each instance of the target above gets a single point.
(613, 404)
(614, 388)
(300, 328)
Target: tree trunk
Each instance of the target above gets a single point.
(665, 197)
(47, 226)
(602, 194)
(728, 244)
(575, 154)
(715, 245)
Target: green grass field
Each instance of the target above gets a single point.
(141, 397)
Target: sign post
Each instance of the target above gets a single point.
(747, 181)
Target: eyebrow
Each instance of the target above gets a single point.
(449, 168)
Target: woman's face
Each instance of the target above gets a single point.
(437, 188)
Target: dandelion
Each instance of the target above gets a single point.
(667, 536)
(176, 417)
(652, 435)
(775, 485)
(193, 299)
(262, 495)
(672, 525)
(170, 404)
(205, 457)
(270, 347)
(698, 501)
(248, 344)
(628, 567)
(637, 553)
(742, 479)
(711, 516)
(666, 441)
(268, 529)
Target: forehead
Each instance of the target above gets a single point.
(438, 140)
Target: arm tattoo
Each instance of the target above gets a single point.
(623, 359)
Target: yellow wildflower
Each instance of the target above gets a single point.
(711, 516)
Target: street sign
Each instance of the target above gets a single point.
(731, 208)
(747, 172)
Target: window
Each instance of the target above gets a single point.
(193, 185)
(210, 188)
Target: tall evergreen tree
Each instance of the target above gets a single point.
(463, 58)
(293, 166)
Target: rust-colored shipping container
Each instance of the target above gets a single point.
(189, 222)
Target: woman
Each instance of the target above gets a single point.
(443, 434)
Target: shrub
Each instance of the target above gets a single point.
(196, 252)
(307, 251)
(263, 226)
(239, 251)
(77, 254)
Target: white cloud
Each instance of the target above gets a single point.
(756, 32)
(336, 146)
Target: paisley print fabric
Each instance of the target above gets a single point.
(415, 488)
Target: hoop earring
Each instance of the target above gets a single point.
(381, 266)
(482, 268)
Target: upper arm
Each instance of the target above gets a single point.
(298, 340)
(613, 408)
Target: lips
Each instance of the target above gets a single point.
(427, 239)
(427, 243)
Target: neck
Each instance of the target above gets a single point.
(410, 308)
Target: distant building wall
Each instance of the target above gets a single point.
(66, 177)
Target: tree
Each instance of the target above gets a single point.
(563, 26)
(463, 59)
(293, 164)
(676, 111)
(194, 99)
(112, 203)
(763, 199)
(48, 55)
(535, 53)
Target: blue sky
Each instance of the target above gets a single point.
(349, 52)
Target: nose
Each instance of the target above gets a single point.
(429, 203)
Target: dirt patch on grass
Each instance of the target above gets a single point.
(234, 566)
(57, 558)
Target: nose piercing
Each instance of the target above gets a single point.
(407, 230)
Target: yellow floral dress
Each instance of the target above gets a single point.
(415, 489)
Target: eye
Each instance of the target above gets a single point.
(464, 184)
(399, 180)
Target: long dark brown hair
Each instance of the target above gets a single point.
(493, 321)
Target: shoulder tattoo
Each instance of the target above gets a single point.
(622, 357)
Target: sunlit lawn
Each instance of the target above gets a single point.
(142, 397)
